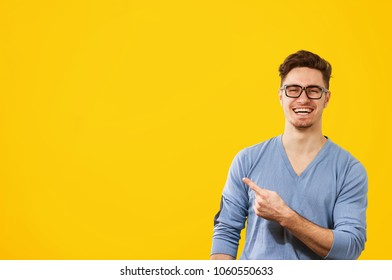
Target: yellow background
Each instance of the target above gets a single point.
(119, 119)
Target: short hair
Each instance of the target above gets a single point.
(306, 59)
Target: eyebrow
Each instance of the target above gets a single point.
(304, 86)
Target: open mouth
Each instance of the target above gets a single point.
(303, 111)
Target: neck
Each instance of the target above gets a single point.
(303, 140)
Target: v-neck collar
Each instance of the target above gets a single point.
(287, 162)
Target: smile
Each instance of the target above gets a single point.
(303, 110)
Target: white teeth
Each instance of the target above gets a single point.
(303, 110)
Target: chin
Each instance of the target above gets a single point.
(302, 125)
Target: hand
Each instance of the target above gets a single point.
(268, 204)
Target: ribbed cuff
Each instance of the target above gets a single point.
(220, 246)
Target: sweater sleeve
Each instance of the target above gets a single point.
(230, 219)
(350, 216)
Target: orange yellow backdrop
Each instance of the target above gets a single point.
(119, 119)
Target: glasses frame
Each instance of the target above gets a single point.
(323, 90)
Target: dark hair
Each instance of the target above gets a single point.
(306, 59)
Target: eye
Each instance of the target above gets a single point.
(314, 90)
(293, 89)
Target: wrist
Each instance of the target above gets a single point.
(287, 218)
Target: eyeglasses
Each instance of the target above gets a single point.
(312, 92)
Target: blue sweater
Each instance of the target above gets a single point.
(331, 192)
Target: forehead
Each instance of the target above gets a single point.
(304, 76)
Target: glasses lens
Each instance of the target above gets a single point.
(293, 91)
(314, 92)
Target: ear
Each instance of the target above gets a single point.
(280, 96)
(327, 97)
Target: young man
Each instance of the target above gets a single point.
(303, 197)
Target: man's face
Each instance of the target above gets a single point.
(302, 112)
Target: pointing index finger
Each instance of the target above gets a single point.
(252, 185)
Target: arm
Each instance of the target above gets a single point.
(230, 220)
(317, 238)
(228, 223)
(350, 215)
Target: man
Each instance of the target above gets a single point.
(303, 197)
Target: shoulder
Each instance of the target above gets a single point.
(251, 156)
(347, 166)
(254, 152)
(342, 156)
